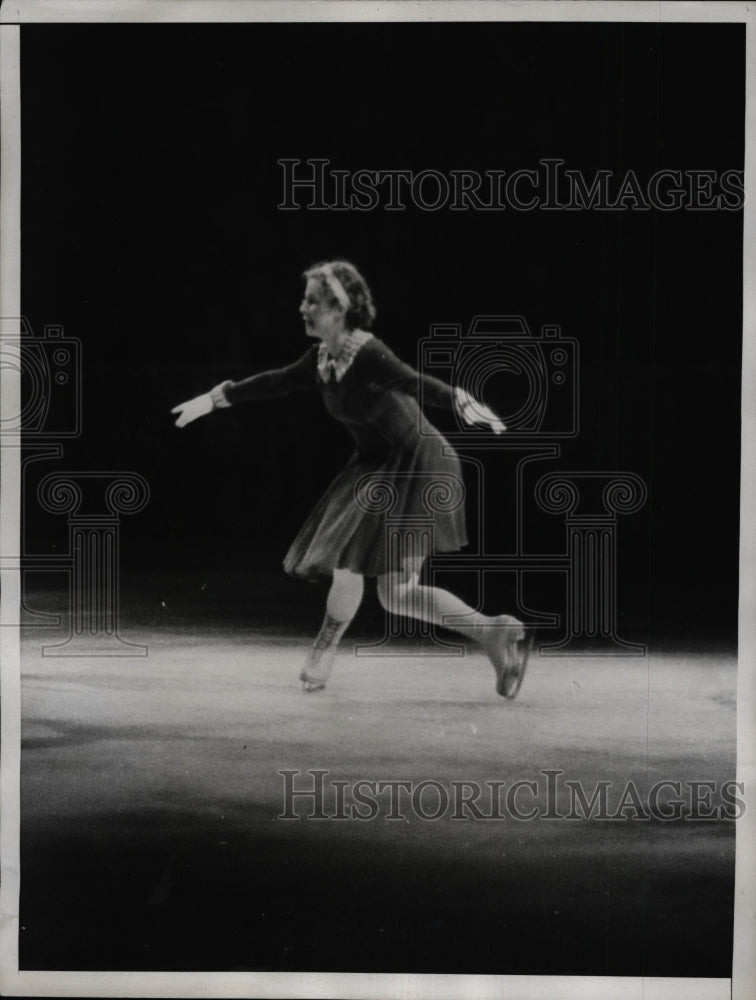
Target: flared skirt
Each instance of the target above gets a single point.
(382, 509)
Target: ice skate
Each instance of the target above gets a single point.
(512, 681)
(314, 677)
(319, 663)
(507, 644)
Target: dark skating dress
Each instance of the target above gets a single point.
(403, 475)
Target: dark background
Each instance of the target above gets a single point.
(151, 232)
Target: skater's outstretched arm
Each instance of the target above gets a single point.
(386, 371)
(265, 385)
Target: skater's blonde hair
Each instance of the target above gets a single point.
(344, 284)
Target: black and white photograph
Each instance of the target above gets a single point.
(377, 581)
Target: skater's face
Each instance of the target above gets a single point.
(322, 319)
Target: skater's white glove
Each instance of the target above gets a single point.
(473, 411)
(200, 406)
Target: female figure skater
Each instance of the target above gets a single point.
(374, 394)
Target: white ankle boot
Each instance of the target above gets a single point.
(320, 659)
(507, 643)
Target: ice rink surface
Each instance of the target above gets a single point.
(152, 797)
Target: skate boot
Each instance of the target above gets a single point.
(319, 663)
(507, 643)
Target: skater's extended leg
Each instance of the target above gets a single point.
(344, 599)
(502, 637)
(402, 594)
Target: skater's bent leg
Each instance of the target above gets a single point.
(344, 599)
(502, 637)
(401, 593)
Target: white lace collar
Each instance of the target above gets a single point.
(340, 365)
